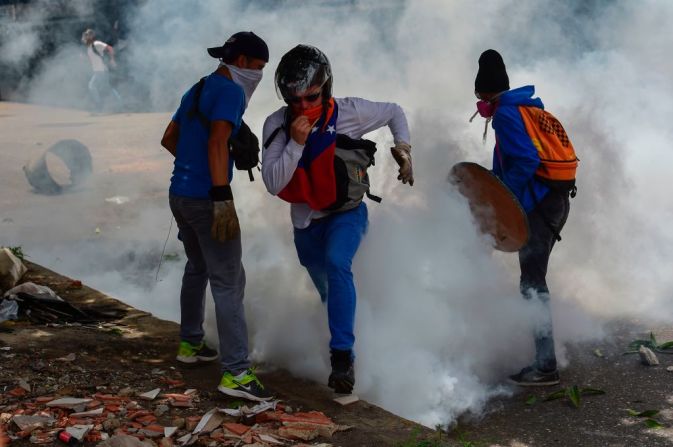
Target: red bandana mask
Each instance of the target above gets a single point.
(313, 113)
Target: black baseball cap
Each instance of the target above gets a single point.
(246, 43)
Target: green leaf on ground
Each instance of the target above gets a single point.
(667, 345)
(651, 423)
(575, 395)
(652, 343)
(531, 400)
(643, 414)
(556, 395)
(591, 392)
(598, 353)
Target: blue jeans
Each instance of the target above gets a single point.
(217, 262)
(326, 248)
(533, 259)
(100, 87)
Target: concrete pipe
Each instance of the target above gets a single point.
(76, 158)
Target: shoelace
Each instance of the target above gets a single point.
(488, 120)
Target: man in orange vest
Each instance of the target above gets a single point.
(518, 163)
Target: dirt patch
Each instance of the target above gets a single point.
(133, 353)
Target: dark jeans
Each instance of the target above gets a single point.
(546, 220)
(219, 263)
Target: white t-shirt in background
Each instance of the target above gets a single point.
(97, 62)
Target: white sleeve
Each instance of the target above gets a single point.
(373, 115)
(280, 158)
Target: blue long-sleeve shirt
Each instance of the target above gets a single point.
(515, 158)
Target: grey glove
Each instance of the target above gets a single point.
(402, 155)
(225, 221)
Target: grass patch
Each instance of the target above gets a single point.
(652, 343)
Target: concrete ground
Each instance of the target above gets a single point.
(121, 156)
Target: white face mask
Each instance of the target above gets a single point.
(245, 77)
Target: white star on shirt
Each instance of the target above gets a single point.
(314, 129)
(331, 129)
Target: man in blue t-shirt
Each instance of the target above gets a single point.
(202, 203)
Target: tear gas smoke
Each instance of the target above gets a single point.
(439, 319)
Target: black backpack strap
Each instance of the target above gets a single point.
(373, 198)
(95, 50)
(286, 119)
(272, 136)
(194, 111)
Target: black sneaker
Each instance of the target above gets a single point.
(530, 376)
(342, 378)
(189, 353)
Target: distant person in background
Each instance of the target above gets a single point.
(99, 85)
(209, 116)
(533, 156)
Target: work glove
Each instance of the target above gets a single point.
(225, 221)
(402, 155)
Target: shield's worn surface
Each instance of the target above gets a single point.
(495, 209)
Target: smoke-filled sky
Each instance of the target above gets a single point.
(439, 319)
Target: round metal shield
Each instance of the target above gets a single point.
(495, 209)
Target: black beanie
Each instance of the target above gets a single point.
(492, 76)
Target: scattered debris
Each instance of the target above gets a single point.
(150, 395)
(115, 420)
(30, 423)
(9, 310)
(245, 411)
(23, 383)
(42, 305)
(346, 399)
(68, 402)
(11, 268)
(79, 431)
(68, 358)
(598, 353)
(118, 200)
(647, 357)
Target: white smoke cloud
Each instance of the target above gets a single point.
(439, 319)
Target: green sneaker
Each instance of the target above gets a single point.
(189, 353)
(245, 385)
